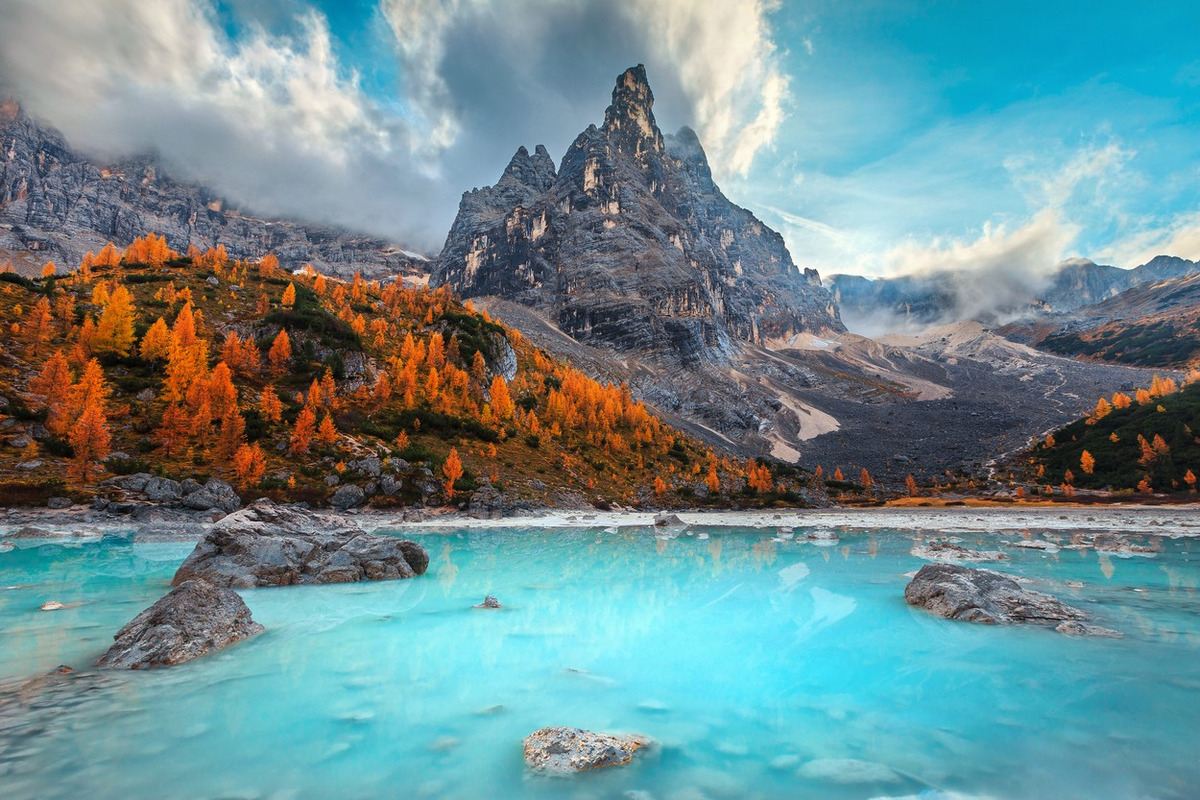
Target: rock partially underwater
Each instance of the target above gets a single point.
(564, 751)
(980, 595)
(192, 620)
(270, 545)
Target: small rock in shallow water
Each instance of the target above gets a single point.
(52, 605)
(566, 750)
(981, 595)
(488, 602)
(192, 620)
(948, 551)
(269, 545)
(665, 519)
(1075, 628)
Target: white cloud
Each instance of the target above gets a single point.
(1024, 254)
(1179, 237)
(728, 66)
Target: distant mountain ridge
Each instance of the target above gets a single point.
(56, 204)
(630, 244)
(940, 297)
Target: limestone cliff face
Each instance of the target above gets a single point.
(56, 205)
(630, 245)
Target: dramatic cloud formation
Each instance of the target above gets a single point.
(274, 114)
(875, 142)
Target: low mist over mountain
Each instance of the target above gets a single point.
(55, 205)
(913, 302)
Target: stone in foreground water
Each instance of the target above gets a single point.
(567, 750)
(192, 620)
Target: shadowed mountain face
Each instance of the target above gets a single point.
(55, 205)
(630, 246)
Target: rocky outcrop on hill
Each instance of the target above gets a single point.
(266, 544)
(192, 620)
(631, 245)
(56, 204)
(215, 495)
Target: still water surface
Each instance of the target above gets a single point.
(764, 668)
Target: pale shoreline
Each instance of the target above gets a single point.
(1173, 521)
(163, 525)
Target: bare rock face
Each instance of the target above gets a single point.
(567, 750)
(58, 205)
(192, 620)
(630, 244)
(980, 595)
(269, 545)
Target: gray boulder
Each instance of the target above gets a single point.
(486, 503)
(269, 545)
(566, 750)
(20, 441)
(979, 595)
(59, 503)
(192, 620)
(162, 490)
(347, 497)
(489, 601)
(213, 496)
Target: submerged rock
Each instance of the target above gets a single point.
(822, 536)
(567, 750)
(981, 595)
(939, 550)
(192, 620)
(665, 519)
(1114, 544)
(1076, 628)
(269, 545)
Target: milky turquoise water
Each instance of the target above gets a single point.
(763, 668)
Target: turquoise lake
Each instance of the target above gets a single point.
(762, 668)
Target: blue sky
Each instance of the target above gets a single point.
(878, 137)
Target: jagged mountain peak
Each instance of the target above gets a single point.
(629, 120)
(536, 172)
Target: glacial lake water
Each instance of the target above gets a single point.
(763, 669)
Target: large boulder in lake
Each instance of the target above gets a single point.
(192, 620)
(567, 750)
(266, 544)
(981, 595)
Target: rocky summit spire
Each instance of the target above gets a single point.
(629, 121)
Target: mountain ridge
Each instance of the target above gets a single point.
(56, 204)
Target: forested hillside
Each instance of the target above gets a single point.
(291, 385)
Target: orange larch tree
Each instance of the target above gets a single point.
(281, 353)
(452, 469)
(304, 431)
(327, 433)
(269, 405)
(90, 439)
